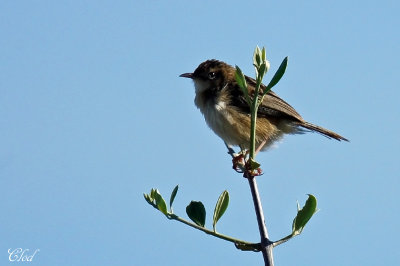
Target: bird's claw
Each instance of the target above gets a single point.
(239, 162)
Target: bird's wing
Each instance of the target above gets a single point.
(274, 107)
(272, 104)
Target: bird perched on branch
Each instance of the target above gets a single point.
(227, 113)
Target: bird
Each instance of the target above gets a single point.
(226, 111)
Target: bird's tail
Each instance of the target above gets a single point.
(323, 131)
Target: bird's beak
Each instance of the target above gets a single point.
(187, 75)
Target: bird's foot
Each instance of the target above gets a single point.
(239, 161)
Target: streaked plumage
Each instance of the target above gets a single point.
(223, 104)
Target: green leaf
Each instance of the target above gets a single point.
(172, 198)
(196, 212)
(257, 57)
(261, 71)
(152, 194)
(147, 198)
(241, 80)
(160, 202)
(278, 75)
(263, 55)
(220, 207)
(304, 215)
(249, 247)
(267, 65)
(253, 164)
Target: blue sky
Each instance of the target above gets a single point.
(93, 115)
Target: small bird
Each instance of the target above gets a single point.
(224, 106)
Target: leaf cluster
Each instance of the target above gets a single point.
(195, 210)
(197, 213)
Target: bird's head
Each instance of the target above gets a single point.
(211, 74)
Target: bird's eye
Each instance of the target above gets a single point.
(211, 75)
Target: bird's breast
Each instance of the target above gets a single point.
(221, 118)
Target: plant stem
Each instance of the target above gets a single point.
(253, 125)
(283, 240)
(266, 244)
(253, 246)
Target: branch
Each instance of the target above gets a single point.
(261, 65)
(266, 244)
(240, 244)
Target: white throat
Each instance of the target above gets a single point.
(200, 85)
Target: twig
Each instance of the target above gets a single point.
(261, 64)
(266, 244)
(240, 244)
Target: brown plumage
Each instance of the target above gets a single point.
(223, 104)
